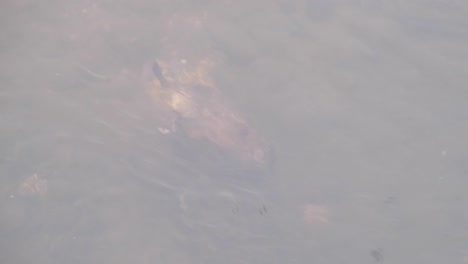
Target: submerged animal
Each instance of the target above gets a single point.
(186, 91)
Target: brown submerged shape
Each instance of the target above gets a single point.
(187, 91)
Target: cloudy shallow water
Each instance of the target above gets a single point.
(362, 105)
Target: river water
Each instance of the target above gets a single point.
(362, 105)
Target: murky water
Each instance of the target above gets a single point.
(362, 106)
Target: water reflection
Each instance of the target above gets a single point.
(362, 102)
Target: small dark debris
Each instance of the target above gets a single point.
(377, 255)
(235, 210)
(263, 210)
